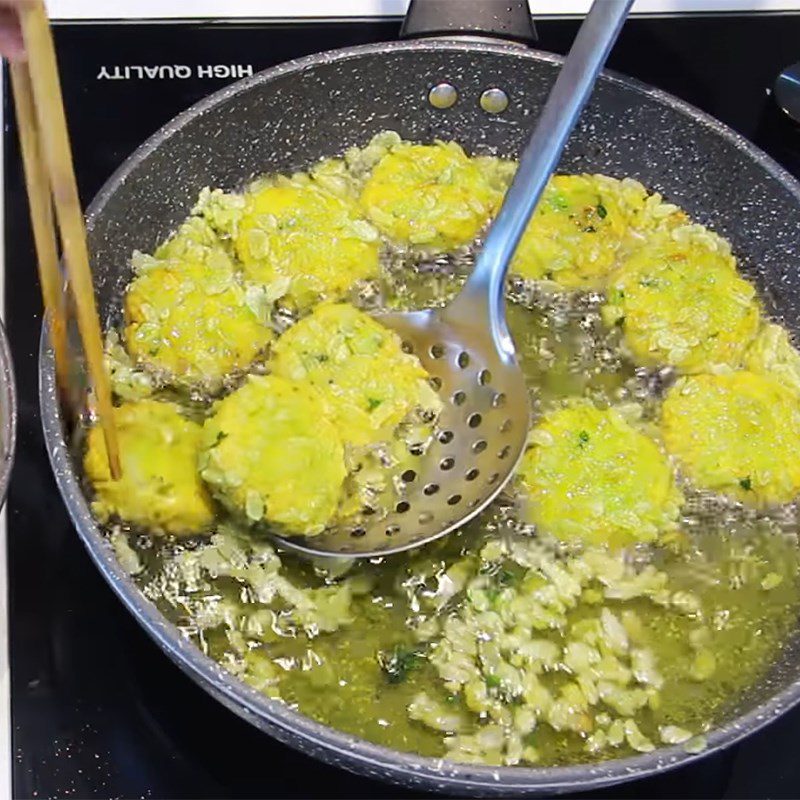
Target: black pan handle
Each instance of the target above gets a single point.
(501, 19)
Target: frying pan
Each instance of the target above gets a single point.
(287, 117)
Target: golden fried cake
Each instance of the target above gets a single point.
(432, 196)
(159, 489)
(680, 302)
(310, 242)
(269, 453)
(736, 434)
(187, 316)
(368, 383)
(591, 476)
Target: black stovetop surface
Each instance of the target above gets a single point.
(97, 710)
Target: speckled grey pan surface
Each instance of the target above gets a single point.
(292, 115)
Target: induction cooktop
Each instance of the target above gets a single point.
(96, 709)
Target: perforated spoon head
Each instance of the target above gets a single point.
(480, 437)
(466, 346)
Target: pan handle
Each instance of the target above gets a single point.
(502, 19)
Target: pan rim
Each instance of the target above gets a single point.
(330, 744)
(8, 412)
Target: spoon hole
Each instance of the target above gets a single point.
(402, 507)
(437, 351)
(407, 347)
(463, 359)
(499, 400)
(504, 452)
(474, 420)
(479, 446)
(506, 426)
(409, 475)
(392, 530)
(357, 533)
(431, 489)
(445, 437)
(493, 478)
(425, 517)
(447, 463)
(459, 397)
(416, 449)
(472, 474)
(484, 377)
(435, 383)
(454, 499)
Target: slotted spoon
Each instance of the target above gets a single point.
(467, 348)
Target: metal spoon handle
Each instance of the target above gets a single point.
(567, 98)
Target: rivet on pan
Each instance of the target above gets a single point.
(494, 101)
(443, 95)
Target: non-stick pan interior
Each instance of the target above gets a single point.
(288, 118)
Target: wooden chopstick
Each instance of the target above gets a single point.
(41, 213)
(44, 89)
